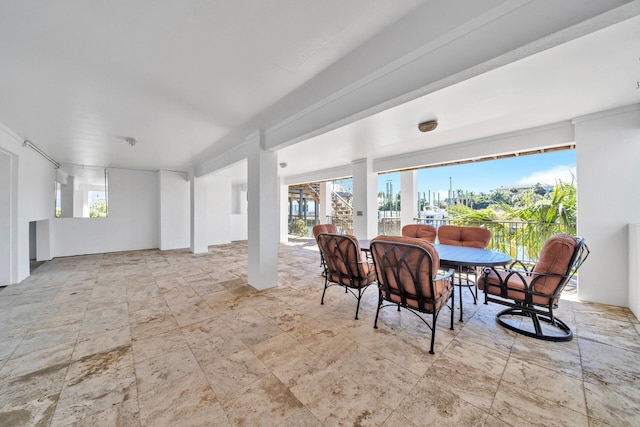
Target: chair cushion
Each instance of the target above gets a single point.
(515, 286)
(420, 231)
(475, 237)
(449, 235)
(406, 274)
(324, 228)
(555, 258)
(345, 265)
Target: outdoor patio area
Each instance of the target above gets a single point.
(168, 338)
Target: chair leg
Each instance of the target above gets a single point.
(475, 300)
(323, 291)
(375, 323)
(536, 323)
(565, 333)
(473, 294)
(453, 304)
(433, 331)
(460, 289)
(358, 305)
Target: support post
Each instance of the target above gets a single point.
(365, 196)
(264, 225)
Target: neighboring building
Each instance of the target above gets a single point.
(519, 189)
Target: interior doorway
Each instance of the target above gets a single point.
(33, 244)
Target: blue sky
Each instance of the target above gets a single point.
(483, 177)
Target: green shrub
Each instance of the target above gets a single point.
(298, 227)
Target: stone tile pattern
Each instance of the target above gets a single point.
(169, 338)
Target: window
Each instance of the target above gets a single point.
(81, 192)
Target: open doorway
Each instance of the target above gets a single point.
(33, 242)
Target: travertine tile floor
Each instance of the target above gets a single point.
(153, 338)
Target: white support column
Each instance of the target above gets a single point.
(634, 269)
(198, 214)
(175, 199)
(66, 198)
(263, 214)
(8, 227)
(408, 197)
(607, 138)
(365, 198)
(284, 210)
(218, 214)
(325, 202)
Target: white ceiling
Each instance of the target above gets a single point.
(597, 72)
(190, 78)
(78, 75)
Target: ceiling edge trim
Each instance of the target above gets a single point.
(553, 135)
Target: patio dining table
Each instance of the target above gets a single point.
(461, 257)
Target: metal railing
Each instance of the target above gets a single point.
(344, 224)
(521, 240)
(389, 226)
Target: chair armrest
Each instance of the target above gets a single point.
(526, 278)
(445, 275)
(518, 265)
(366, 261)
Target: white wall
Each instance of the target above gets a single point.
(239, 218)
(7, 263)
(219, 206)
(365, 199)
(133, 220)
(634, 269)
(174, 222)
(607, 155)
(30, 187)
(408, 196)
(44, 248)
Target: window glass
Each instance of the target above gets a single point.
(81, 192)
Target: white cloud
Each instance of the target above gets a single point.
(550, 176)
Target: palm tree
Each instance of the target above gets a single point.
(544, 215)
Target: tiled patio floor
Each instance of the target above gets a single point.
(167, 338)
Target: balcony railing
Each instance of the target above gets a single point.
(521, 240)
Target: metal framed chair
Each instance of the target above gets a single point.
(408, 278)
(317, 230)
(345, 265)
(532, 294)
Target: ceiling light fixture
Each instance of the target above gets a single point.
(428, 126)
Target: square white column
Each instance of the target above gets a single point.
(284, 210)
(66, 198)
(175, 210)
(408, 197)
(325, 202)
(365, 199)
(610, 139)
(263, 209)
(198, 214)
